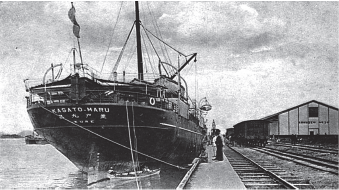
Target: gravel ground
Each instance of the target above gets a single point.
(333, 157)
(319, 179)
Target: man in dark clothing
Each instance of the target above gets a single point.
(219, 145)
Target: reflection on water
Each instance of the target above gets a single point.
(42, 166)
(168, 178)
(150, 182)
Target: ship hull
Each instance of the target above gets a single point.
(100, 136)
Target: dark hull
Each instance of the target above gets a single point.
(160, 134)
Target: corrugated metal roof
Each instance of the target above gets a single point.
(276, 114)
(251, 121)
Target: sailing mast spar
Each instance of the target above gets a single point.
(140, 64)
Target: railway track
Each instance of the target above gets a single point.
(310, 161)
(261, 174)
(309, 147)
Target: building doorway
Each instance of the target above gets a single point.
(314, 131)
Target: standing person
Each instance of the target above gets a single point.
(219, 145)
(214, 146)
(224, 140)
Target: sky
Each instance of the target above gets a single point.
(254, 58)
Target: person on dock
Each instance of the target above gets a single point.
(219, 144)
(214, 147)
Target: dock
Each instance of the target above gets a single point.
(214, 175)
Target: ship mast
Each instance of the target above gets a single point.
(137, 22)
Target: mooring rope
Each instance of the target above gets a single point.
(61, 117)
(130, 144)
(135, 140)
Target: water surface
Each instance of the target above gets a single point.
(42, 166)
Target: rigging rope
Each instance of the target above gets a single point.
(130, 144)
(122, 51)
(173, 70)
(110, 41)
(70, 70)
(149, 57)
(151, 42)
(135, 140)
(61, 117)
(59, 73)
(131, 56)
(163, 41)
(157, 31)
(163, 67)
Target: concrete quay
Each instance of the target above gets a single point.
(214, 175)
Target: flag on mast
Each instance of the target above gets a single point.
(76, 26)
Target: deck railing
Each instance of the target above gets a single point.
(102, 96)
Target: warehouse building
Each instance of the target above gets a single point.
(310, 118)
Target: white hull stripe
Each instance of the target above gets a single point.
(169, 125)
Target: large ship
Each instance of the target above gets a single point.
(116, 123)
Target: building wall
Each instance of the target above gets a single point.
(273, 128)
(323, 120)
(283, 124)
(333, 122)
(310, 119)
(313, 124)
(293, 121)
(303, 119)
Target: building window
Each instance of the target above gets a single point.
(313, 112)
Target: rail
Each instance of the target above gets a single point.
(309, 161)
(271, 174)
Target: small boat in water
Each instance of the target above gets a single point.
(31, 139)
(132, 175)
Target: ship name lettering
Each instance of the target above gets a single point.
(83, 121)
(79, 109)
(75, 116)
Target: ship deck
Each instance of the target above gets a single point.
(214, 175)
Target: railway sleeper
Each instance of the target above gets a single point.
(268, 186)
(241, 165)
(264, 176)
(257, 179)
(290, 177)
(246, 181)
(254, 174)
(246, 171)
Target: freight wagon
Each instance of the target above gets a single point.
(251, 132)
